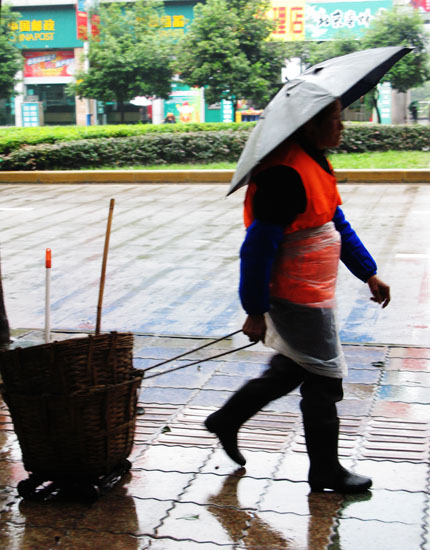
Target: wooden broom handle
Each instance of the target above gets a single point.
(103, 274)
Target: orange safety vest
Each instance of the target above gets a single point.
(305, 268)
(320, 187)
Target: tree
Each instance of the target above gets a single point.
(10, 63)
(399, 27)
(11, 60)
(226, 49)
(313, 52)
(131, 56)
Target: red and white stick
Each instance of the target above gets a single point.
(48, 258)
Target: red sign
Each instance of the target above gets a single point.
(95, 25)
(421, 5)
(52, 63)
(81, 25)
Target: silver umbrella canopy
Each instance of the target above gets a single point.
(347, 78)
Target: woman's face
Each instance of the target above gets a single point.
(329, 128)
(325, 130)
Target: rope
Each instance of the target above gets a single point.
(196, 362)
(193, 350)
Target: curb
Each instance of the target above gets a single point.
(194, 176)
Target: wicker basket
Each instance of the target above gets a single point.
(86, 433)
(68, 366)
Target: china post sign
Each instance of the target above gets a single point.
(46, 27)
(324, 20)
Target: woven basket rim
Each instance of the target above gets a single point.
(67, 341)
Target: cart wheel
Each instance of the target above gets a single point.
(27, 488)
(125, 465)
(90, 492)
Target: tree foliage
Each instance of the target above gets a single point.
(11, 60)
(131, 56)
(401, 27)
(312, 52)
(395, 27)
(227, 50)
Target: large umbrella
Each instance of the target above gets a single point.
(347, 78)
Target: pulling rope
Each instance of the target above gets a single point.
(197, 361)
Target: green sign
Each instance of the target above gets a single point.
(46, 27)
(178, 17)
(30, 114)
(184, 103)
(384, 102)
(324, 20)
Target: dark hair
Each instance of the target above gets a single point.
(319, 117)
(308, 131)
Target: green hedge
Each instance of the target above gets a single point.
(150, 149)
(198, 143)
(15, 138)
(361, 138)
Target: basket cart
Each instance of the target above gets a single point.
(73, 405)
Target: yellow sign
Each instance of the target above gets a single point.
(34, 29)
(174, 21)
(290, 19)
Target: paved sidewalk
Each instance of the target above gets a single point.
(173, 259)
(184, 493)
(172, 280)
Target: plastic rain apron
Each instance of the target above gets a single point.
(301, 323)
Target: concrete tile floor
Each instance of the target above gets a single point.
(183, 492)
(170, 274)
(173, 259)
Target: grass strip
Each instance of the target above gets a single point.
(342, 161)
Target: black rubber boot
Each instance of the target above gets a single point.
(282, 376)
(325, 471)
(227, 434)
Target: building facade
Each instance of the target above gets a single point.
(51, 35)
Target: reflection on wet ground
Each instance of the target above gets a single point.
(184, 493)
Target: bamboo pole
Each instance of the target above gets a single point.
(103, 274)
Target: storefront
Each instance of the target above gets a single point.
(50, 47)
(51, 34)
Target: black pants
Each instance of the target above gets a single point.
(319, 393)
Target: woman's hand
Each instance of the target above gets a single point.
(380, 291)
(255, 327)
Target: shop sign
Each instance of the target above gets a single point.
(324, 20)
(227, 110)
(30, 114)
(34, 29)
(44, 64)
(45, 27)
(290, 19)
(421, 5)
(185, 104)
(177, 18)
(384, 102)
(81, 21)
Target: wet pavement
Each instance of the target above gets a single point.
(172, 277)
(173, 259)
(183, 492)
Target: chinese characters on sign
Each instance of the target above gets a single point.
(290, 19)
(421, 5)
(30, 114)
(173, 21)
(325, 19)
(53, 63)
(34, 29)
